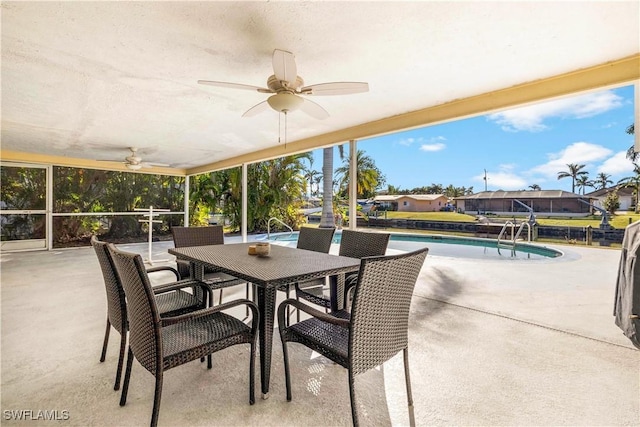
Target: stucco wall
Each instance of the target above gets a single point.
(413, 205)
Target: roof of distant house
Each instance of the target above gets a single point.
(541, 194)
(394, 197)
(622, 191)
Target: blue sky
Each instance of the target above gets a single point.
(518, 147)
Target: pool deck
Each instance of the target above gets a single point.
(491, 343)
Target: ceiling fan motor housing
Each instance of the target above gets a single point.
(276, 85)
(284, 102)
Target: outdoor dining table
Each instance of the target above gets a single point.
(283, 266)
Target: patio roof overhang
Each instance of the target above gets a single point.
(81, 84)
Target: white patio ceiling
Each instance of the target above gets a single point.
(82, 81)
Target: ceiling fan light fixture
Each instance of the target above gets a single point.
(285, 102)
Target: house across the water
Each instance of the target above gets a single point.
(412, 202)
(543, 202)
(625, 197)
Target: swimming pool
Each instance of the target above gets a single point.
(456, 247)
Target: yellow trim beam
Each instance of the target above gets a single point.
(16, 156)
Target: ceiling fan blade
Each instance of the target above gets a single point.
(335, 88)
(256, 109)
(234, 86)
(284, 66)
(110, 160)
(314, 110)
(153, 164)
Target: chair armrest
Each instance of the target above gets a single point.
(311, 311)
(166, 321)
(174, 286)
(188, 283)
(164, 268)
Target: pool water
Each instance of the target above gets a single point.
(456, 247)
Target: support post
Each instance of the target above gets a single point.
(187, 192)
(245, 203)
(353, 184)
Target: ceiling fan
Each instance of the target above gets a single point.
(134, 162)
(287, 87)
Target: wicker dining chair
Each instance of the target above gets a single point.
(311, 239)
(159, 344)
(169, 303)
(354, 244)
(203, 236)
(374, 331)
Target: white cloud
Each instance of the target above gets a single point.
(431, 141)
(578, 152)
(433, 147)
(608, 125)
(502, 180)
(617, 164)
(407, 141)
(531, 118)
(505, 167)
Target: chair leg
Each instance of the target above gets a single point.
(252, 373)
(127, 375)
(288, 292)
(123, 346)
(209, 363)
(106, 341)
(247, 297)
(352, 396)
(287, 374)
(156, 400)
(412, 418)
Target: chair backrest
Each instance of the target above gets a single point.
(315, 239)
(116, 303)
(197, 236)
(360, 244)
(144, 320)
(380, 311)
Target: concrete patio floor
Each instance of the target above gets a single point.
(491, 343)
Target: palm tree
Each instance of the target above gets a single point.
(575, 170)
(535, 187)
(633, 181)
(317, 180)
(367, 179)
(273, 188)
(583, 182)
(312, 176)
(631, 152)
(602, 181)
(327, 221)
(392, 189)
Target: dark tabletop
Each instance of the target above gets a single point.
(283, 265)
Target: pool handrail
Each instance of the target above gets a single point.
(517, 234)
(279, 221)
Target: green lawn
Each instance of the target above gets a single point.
(429, 216)
(618, 221)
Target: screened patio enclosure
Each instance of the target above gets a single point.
(551, 202)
